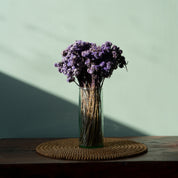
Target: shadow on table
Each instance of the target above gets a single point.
(28, 112)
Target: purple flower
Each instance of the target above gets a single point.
(56, 65)
(108, 65)
(70, 79)
(107, 43)
(97, 67)
(100, 54)
(90, 64)
(87, 62)
(95, 55)
(70, 63)
(114, 48)
(114, 53)
(105, 68)
(91, 69)
(102, 64)
(59, 69)
(76, 72)
(85, 53)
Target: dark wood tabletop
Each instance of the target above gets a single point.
(18, 158)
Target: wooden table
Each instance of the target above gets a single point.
(19, 159)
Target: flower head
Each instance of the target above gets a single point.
(90, 64)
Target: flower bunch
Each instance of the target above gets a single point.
(90, 64)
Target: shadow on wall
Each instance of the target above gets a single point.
(27, 112)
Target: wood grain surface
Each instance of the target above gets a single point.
(19, 159)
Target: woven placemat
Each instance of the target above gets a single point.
(114, 148)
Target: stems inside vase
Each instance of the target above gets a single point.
(90, 117)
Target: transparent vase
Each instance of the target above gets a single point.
(91, 125)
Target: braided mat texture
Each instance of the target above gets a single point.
(114, 148)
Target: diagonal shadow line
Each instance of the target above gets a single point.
(28, 112)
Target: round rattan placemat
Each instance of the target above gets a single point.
(114, 148)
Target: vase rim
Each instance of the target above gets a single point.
(88, 88)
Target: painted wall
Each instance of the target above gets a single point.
(36, 101)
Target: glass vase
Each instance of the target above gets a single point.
(91, 125)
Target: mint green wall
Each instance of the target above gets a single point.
(34, 33)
